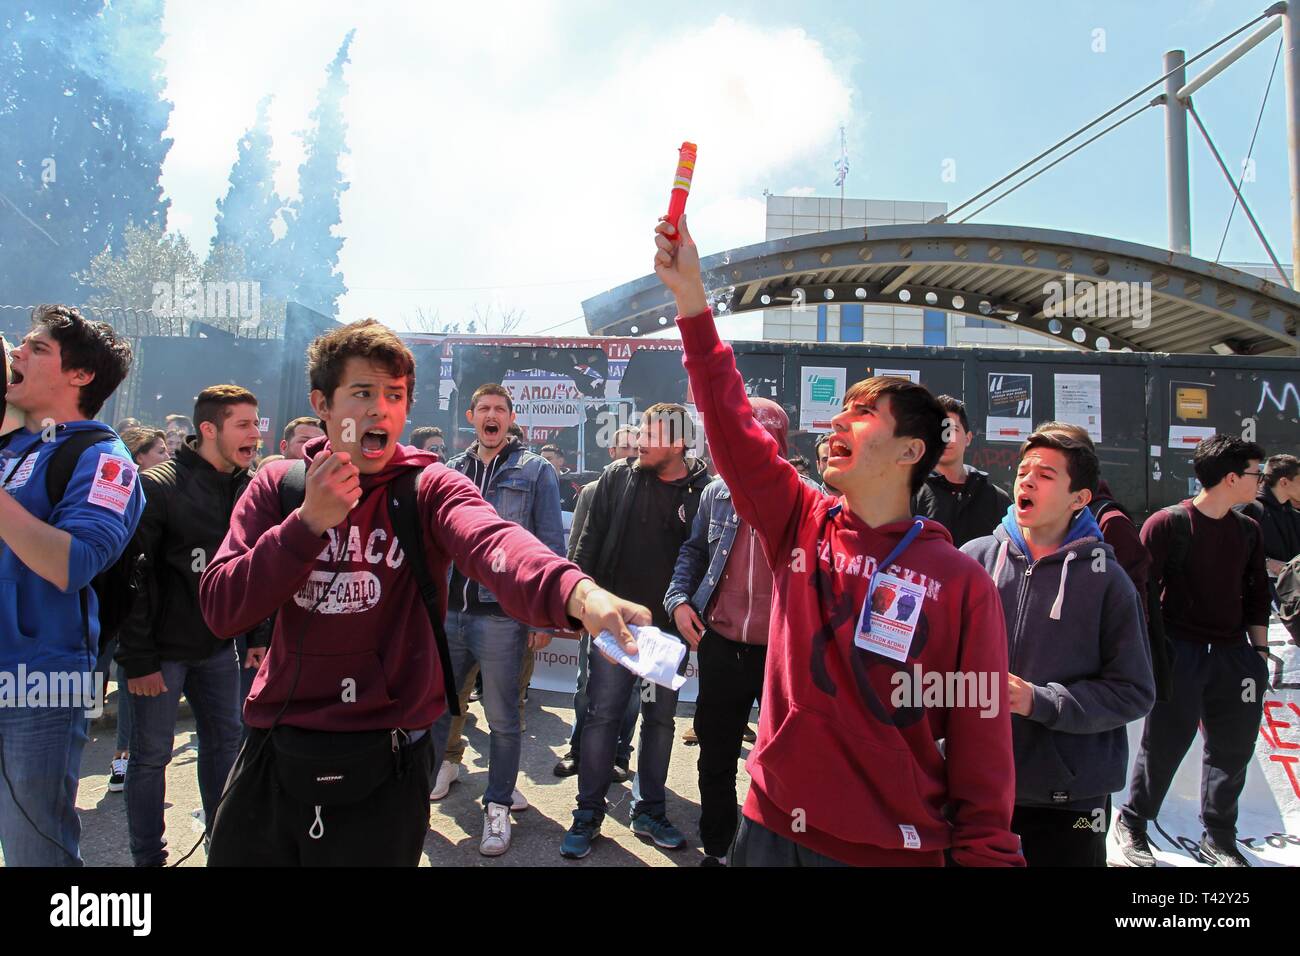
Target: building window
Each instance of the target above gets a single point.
(851, 323)
(974, 323)
(821, 323)
(936, 328)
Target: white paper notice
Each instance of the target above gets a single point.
(821, 396)
(1187, 437)
(1078, 402)
(657, 659)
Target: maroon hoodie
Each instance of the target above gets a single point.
(842, 766)
(369, 661)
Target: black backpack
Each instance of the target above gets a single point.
(1157, 638)
(404, 513)
(113, 586)
(1181, 542)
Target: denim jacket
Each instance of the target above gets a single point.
(525, 490)
(703, 557)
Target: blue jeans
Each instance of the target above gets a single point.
(124, 718)
(103, 665)
(608, 687)
(212, 688)
(624, 752)
(497, 644)
(42, 761)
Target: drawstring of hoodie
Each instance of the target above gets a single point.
(1002, 559)
(1060, 591)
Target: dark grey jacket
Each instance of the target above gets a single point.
(1077, 633)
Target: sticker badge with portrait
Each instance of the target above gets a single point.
(113, 483)
(895, 609)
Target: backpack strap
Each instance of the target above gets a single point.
(64, 462)
(58, 473)
(293, 488)
(404, 513)
(1180, 543)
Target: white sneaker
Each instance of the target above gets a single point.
(518, 801)
(447, 775)
(496, 830)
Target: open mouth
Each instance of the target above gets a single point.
(247, 451)
(491, 429)
(1024, 504)
(15, 376)
(373, 442)
(838, 449)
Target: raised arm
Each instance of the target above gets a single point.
(765, 488)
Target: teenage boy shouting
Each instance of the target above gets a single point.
(164, 647)
(1080, 665)
(841, 773)
(353, 680)
(53, 542)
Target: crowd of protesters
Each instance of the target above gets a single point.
(945, 670)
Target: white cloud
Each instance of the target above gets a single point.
(495, 147)
(801, 191)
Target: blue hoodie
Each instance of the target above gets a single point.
(1077, 633)
(41, 625)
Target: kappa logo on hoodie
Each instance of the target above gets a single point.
(349, 592)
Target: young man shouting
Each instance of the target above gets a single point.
(848, 767)
(1080, 665)
(53, 542)
(164, 646)
(522, 488)
(337, 768)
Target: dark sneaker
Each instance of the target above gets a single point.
(567, 766)
(658, 828)
(713, 861)
(585, 829)
(1133, 845)
(749, 736)
(1216, 854)
(117, 779)
(620, 773)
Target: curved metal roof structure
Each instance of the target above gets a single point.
(1093, 292)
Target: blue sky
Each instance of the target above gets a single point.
(517, 154)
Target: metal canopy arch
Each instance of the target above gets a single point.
(998, 273)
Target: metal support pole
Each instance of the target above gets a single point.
(1177, 179)
(1291, 59)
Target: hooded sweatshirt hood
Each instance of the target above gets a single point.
(774, 421)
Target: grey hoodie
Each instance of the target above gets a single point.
(1077, 633)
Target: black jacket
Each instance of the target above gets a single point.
(969, 511)
(1280, 524)
(601, 540)
(186, 516)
